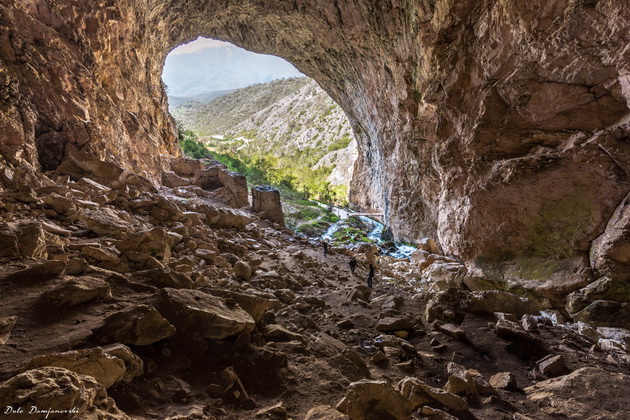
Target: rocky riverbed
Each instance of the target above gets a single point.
(124, 299)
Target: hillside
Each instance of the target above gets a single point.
(176, 101)
(291, 123)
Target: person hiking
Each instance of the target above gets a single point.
(353, 264)
(325, 244)
(370, 276)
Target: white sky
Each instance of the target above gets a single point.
(198, 44)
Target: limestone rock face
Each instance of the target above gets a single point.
(497, 128)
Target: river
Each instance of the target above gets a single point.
(374, 233)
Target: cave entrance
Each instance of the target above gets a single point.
(261, 117)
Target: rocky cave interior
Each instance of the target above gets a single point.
(498, 129)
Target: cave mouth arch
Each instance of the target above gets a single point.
(247, 107)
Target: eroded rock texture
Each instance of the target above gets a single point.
(500, 128)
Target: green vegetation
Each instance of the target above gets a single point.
(351, 235)
(313, 229)
(291, 175)
(190, 144)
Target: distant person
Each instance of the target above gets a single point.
(353, 264)
(370, 276)
(325, 248)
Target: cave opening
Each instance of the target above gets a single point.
(261, 117)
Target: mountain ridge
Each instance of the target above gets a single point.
(285, 118)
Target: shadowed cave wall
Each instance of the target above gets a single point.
(499, 128)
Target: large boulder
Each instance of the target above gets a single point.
(139, 326)
(105, 221)
(57, 391)
(154, 242)
(76, 292)
(587, 393)
(36, 272)
(500, 301)
(205, 315)
(419, 394)
(374, 400)
(95, 362)
(22, 240)
(254, 303)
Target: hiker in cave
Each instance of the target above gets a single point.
(370, 276)
(353, 264)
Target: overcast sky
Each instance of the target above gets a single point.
(198, 44)
(207, 65)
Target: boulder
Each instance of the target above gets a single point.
(428, 245)
(325, 412)
(165, 277)
(418, 393)
(76, 292)
(254, 303)
(25, 239)
(443, 274)
(370, 399)
(134, 366)
(139, 326)
(499, 301)
(155, 242)
(63, 392)
(193, 311)
(586, 393)
(504, 380)
(76, 266)
(524, 343)
(242, 270)
(474, 380)
(394, 324)
(360, 293)
(63, 206)
(451, 330)
(105, 221)
(95, 362)
(279, 333)
(605, 313)
(275, 412)
(99, 254)
(551, 365)
(38, 272)
(604, 288)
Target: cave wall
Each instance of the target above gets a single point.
(499, 128)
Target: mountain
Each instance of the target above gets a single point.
(175, 101)
(293, 120)
(221, 67)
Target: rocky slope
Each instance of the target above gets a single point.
(281, 118)
(498, 128)
(122, 299)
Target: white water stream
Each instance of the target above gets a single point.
(375, 233)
